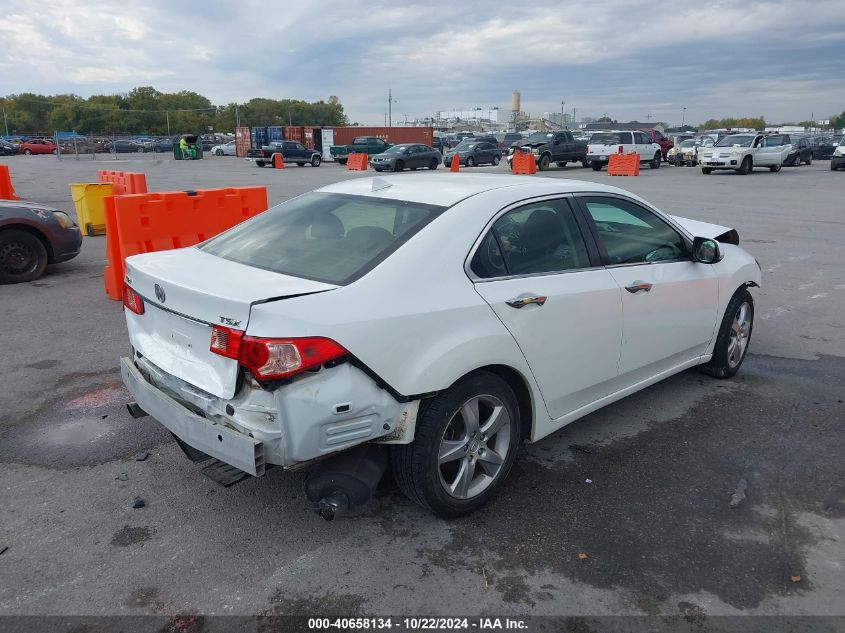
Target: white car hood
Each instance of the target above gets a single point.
(701, 229)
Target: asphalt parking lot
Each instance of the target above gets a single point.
(655, 522)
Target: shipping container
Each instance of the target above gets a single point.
(393, 135)
(242, 141)
(293, 133)
(258, 137)
(275, 134)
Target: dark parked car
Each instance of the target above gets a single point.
(472, 152)
(160, 145)
(410, 155)
(824, 146)
(124, 147)
(32, 236)
(554, 147)
(8, 149)
(802, 152)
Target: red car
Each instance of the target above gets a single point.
(656, 137)
(37, 146)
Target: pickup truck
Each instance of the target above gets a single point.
(553, 147)
(665, 142)
(603, 144)
(291, 151)
(369, 145)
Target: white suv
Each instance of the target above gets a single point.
(743, 152)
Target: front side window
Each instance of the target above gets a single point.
(541, 237)
(632, 234)
(328, 237)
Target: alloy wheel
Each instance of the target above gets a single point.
(474, 446)
(739, 335)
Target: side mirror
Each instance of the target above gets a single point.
(706, 250)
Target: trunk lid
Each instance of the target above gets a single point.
(185, 292)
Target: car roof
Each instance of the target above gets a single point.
(449, 189)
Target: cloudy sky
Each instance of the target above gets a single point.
(626, 58)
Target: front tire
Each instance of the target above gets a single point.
(433, 164)
(734, 336)
(219, 152)
(22, 257)
(470, 161)
(399, 166)
(545, 162)
(316, 161)
(655, 162)
(561, 163)
(260, 163)
(465, 443)
(706, 170)
(774, 168)
(496, 161)
(745, 166)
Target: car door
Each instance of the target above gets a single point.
(668, 301)
(643, 146)
(537, 272)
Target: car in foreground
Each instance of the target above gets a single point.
(743, 152)
(837, 160)
(471, 152)
(438, 319)
(406, 155)
(37, 146)
(124, 147)
(32, 236)
(226, 149)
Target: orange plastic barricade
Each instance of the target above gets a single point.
(7, 191)
(124, 182)
(144, 223)
(523, 163)
(357, 161)
(455, 165)
(623, 165)
(278, 161)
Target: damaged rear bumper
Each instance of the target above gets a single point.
(217, 440)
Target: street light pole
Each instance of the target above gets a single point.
(389, 108)
(562, 113)
(5, 122)
(683, 117)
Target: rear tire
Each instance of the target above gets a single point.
(596, 165)
(22, 257)
(809, 161)
(585, 163)
(300, 164)
(496, 160)
(399, 166)
(342, 161)
(260, 163)
(28, 152)
(452, 425)
(734, 336)
(561, 163)
(219, 152)
(774, 168)
(433, 163)
(470, 161)
(706, 170)
(316, 161)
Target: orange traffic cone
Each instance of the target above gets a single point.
(455, 166)
(278, 161)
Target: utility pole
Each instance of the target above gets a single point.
(167, 113)
(389, 108)
(648, 118)
(683, 116)
(237, 116)
(5, 121)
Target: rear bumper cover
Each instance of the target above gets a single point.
(217, 440)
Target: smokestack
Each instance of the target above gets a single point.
(515, 105)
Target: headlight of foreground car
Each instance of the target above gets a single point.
(63, 219)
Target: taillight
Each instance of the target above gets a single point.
(226, 341)
(271, 358)
(274, 358)
(621, 150)
(132, 300)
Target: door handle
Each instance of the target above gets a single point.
(526, 299)
(638, 286)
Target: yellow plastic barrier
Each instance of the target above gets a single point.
(88, 200)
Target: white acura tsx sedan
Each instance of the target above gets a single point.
(428, 321)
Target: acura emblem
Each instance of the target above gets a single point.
(159, 293)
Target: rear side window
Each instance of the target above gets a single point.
(541, 237)
(333, 238)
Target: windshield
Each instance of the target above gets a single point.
(396, 149)
(688, 143)
(328, 237)
(540, 137)
(465, 145)
(736, 140)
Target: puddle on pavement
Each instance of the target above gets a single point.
(84, 431)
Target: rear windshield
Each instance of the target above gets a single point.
(605, 138)
(328, 237)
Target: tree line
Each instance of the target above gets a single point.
(145, 110)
